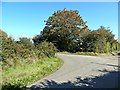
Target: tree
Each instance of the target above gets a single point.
(98, 40)
(64, 29)
(26, 42)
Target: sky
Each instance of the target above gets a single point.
(26, 19)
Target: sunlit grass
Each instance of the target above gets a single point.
(26, 74)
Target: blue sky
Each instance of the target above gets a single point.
(26, 19)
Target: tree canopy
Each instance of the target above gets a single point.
(64, 29)
(69, 32)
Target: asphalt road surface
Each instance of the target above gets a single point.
(80, 71)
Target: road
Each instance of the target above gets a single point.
(80, 71)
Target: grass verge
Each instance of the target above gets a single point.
(88, 53)
(22, 75)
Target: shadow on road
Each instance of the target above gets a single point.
(109, 80)
(107, 64)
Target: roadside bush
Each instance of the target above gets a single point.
(14, 52)
(46, 49)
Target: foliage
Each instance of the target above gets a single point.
(25, 74)
(63, 29)
(16, 51)
(23, 62)
(26, 42)
(45, 49)
(68, 31)
(100, 41)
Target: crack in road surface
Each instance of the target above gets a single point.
(78, 68)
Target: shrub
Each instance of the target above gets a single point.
(13, 52)
(46, 49)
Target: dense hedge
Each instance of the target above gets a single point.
(23, 51)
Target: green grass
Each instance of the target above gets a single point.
(88, 53)
(81, 53)
(26, 74)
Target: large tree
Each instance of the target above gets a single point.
(99, 40)
(64, 28)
